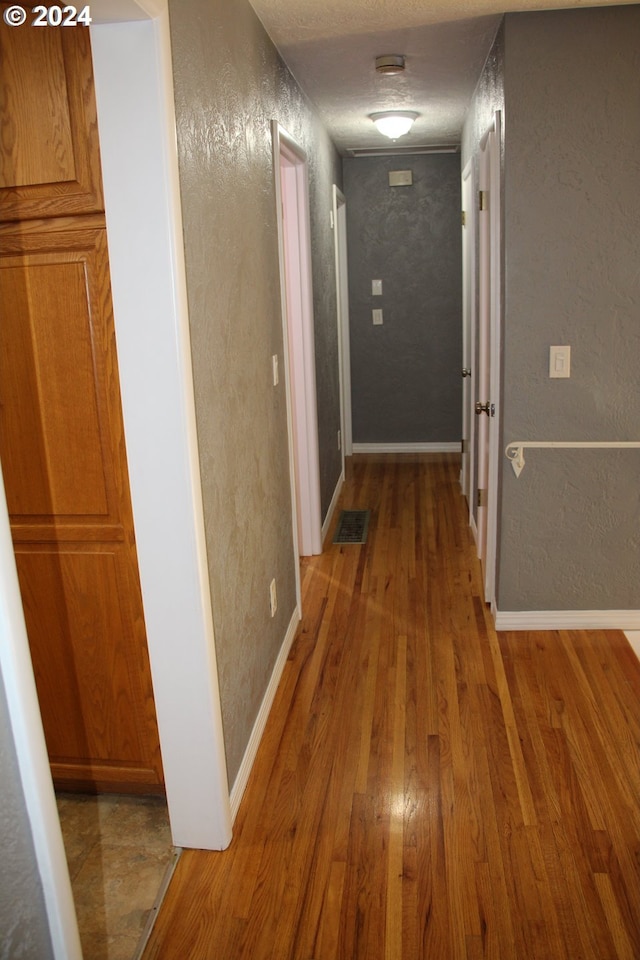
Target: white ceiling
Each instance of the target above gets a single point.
(330, 47)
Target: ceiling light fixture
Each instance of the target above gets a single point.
(393, 63)
(394, 123)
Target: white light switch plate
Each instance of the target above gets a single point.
(377, 317)
(559, 361)
(376, 288)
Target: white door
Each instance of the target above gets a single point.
(487, 393)
(468, 324)
(482, 400)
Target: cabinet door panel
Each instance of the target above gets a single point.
(52, 434)
(64, 460)
(93, 690)
(49, 153)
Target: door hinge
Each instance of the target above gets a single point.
(482, 498)
(463, 217)
(483, 199)
(464, 445)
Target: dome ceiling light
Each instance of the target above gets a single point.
(394, 123)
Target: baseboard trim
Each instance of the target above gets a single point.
(567, 619)
(332, 506)
(248, 760)
(407, 447)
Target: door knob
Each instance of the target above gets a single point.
(483, 408)
(466, 372)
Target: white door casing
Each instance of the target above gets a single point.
(292, 202)
(342, 294)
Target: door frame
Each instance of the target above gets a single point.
(296, 297)
(342, 297)
(135, 100)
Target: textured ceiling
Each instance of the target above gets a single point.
(330, 47)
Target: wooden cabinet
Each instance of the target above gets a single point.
(49, 154)
(61, 432)
(65, 468)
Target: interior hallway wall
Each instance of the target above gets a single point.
(569, 536)
(405, 373)
(230, 83)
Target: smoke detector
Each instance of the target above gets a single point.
(393, 63)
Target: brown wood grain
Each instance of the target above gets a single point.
(49, 152)
(426, 788)
(65, 469)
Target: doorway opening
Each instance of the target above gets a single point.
(132, 68)
(290, 164)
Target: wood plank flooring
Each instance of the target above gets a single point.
(426, 788)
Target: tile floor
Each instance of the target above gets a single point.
(120, 858)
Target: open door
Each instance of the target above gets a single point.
(468, 324)
(487, 394)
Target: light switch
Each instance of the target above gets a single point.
(376, 288)
(377, 317)
(559, 361)
(274, 365)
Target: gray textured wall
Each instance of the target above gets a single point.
(229, 84)
(571, 524)
(406, 384)
(24, 929)
(488, 97)
(569, 536)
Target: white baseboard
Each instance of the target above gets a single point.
(332, 507)
(633, 636)
(567, 620)
(407, 447)
(474, 528)
(242, 777)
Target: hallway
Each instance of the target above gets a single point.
(426, 787)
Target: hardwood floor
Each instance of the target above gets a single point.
(426, 787)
